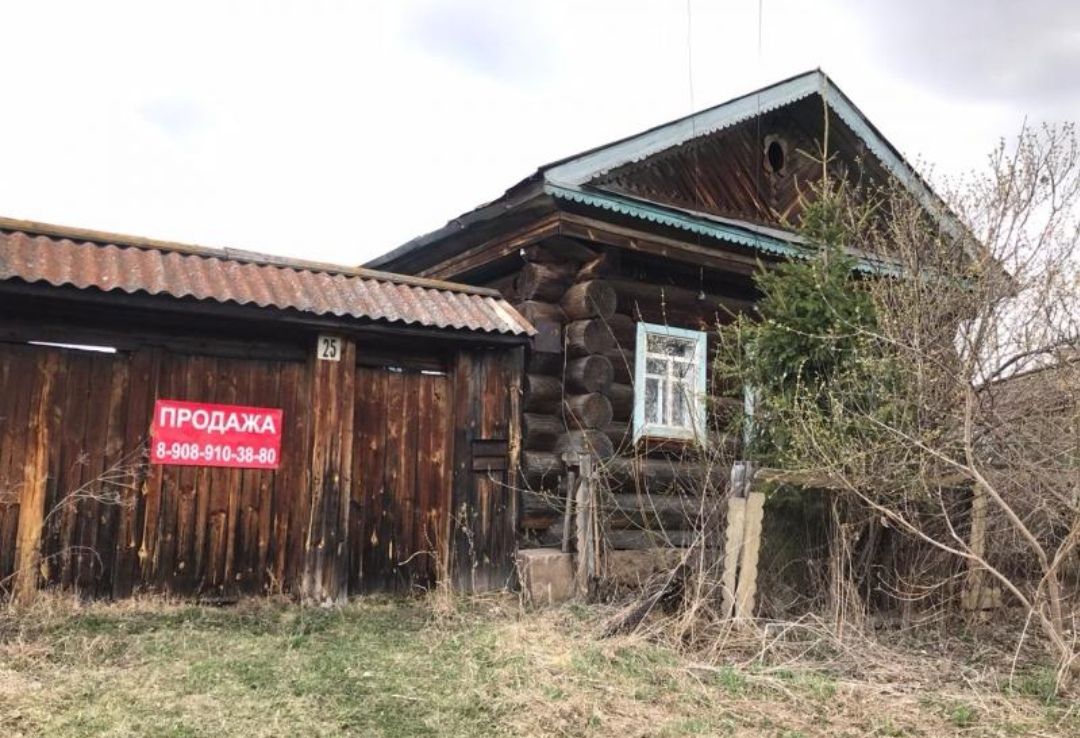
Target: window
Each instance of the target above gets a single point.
(669, 382)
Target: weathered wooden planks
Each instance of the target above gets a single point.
(32, 491)
(325, 576)
(361, 501)
(16, 364)
(485, 505)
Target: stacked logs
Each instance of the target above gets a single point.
(578, 394)
(567, 407)
(568, 384)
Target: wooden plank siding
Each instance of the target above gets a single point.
(401, 497)
(369, 494)
(485, 494)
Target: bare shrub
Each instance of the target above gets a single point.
(953, 418)
(928, 411)
(114, 486)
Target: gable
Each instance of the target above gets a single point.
(753, 171)
(714, 174)
(796, 104)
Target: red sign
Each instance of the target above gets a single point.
(200, 434)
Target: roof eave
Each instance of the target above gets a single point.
(517, 197)
(771, 242)
(60, 257)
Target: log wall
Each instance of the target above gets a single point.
(579, 394)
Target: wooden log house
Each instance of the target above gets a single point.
(399, 426)
(625, 258)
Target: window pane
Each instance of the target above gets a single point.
(656, 366)
(652, 401)
(682, 369)
(678, 406)
(670, 346)
(684, 403)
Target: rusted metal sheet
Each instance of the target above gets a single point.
(57, 256)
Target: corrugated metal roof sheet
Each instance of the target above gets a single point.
(34, 252)
(766, 240)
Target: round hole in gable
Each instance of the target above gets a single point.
(775, 156)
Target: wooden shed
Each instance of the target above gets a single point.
(625, 258)
(384, 412)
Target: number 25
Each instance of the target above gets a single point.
(329, 348)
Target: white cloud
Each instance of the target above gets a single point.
(336, 130)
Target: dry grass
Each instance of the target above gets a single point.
(484, 667)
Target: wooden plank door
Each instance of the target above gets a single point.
(399, 521)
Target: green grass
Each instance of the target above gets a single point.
(392, 668)
(962, 715)
(1037, 682)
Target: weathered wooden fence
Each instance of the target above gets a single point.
(389, 473)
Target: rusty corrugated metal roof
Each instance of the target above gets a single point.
(60, 256)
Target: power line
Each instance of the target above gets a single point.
(760, 24)
(690, 52)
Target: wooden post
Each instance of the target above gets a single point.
(326, 550)
(585, 579)
(978, 594)
(746, 590)
(35, 476)
(568, 512)
(742, 543)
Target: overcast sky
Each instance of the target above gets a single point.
(337, 130)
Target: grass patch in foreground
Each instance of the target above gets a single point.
(391, 668)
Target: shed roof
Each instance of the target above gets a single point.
(61, 256)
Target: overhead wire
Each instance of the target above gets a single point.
(757, 101)
(694, 150)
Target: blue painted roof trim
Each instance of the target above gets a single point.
(888, 156)
(746, 236)
(581, 169)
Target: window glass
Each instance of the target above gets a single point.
(680, 415)
(652, 401)
(670, 346)
(672, 371)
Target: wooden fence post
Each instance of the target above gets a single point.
(586, 568)
(978, 594)
(581, 488)
(326, 548)
(746, 590)
(570, 480)
(742, 543)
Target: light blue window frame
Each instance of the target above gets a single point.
(697, 411)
